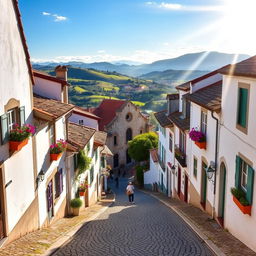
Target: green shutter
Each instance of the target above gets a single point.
(4, 129)
(242, 114)
(22, 115)
(238, 174)
(250, 181)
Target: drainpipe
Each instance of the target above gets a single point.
(216, 159)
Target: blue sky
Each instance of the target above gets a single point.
(136, 30)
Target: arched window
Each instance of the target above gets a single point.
(128, 134)
(116, 160)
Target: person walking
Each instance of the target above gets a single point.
(130, 192)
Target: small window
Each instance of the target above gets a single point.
(195, 167)
(96, 155)
(91, 174)
(115, 140)
(128, 117)
(12, 118)
(141, 131)
(81, 122)
(58, 183)
(244, 174)
(204, 122)
(182, 142)
(52, 134)
(242, 107)
(170, 142)
(128, 134)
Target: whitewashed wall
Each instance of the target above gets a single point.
(151, 176)
(233, 141)
(87, 121)
(205, 82)
(48, 89)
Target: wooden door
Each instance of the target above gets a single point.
(186, 189)
(222, 193)
(179, 181)
(86, 194)
(2, 232)
(204, 185)
(50, 199)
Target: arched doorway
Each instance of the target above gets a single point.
(222, 193)
(128, 134)
(204, 185)
(116, 160)
(128, 158)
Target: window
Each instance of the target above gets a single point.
(141, 131)
(128, 117)
(170, 142)
(96, 155)
(103, 162)
(92, 174)
(58, 183)
(182, 142)
(128, 134)
(204, 122)
(52, 134)
(12, 118)
(195, 167)
(75, 161)
(242, 108)
(115, 140)
(244, 177)
(81, 122)
(116, 160)
(88, 147)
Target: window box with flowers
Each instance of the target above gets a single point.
(198, 137)
(239, 199)
(83, 188)
(19, 136)
(57, 149)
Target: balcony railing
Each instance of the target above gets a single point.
(180, 156)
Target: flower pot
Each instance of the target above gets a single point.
(76, 211)
(17, 145)
(81, 193)
(201, 145)
(244, 209)
(55, 157)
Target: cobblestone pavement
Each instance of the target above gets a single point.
(145, 228)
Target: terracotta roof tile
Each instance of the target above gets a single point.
(154, 154)
(79, 135)
(162, 118)
(100, 138)
(107, 111)
(178, 120)
(184, 87)
(245, 68)
(208, 97)
(52, 107)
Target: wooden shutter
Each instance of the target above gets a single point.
(22, 115)
(238, 173)
(61, 180)
(57, 184)
(4, 129)
(243, 97)
(250, 181)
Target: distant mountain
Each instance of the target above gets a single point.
(172, 77)
(192, 61)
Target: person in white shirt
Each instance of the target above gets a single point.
(130, 192)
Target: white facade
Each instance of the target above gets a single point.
(84, 120)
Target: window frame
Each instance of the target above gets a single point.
(239, 126)
(195, 169)
(52, 137)
(81, 122)
(170, 142)
(203, 123)
(16, 118)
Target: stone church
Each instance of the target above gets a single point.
(122, 121)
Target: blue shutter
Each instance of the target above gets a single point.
(238, 173)
(249, 188)
(57, 184)
(22, 115)
(242, 107)
(4, 129)
(61, 180)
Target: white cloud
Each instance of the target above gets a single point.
(101, 51)
(59, 18)
(46, 13)
(179, 7)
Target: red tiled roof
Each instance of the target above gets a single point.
(23, 38)
(48, 77)
(246, 68)
(107, 111)
(154, 154)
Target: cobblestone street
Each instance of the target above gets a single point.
(146, 228)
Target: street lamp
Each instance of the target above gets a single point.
(40, 176)
(173, 168)
(210, 170)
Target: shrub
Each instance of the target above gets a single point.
(20, 133)
(76, 203)
(243, 201)
(83, 161)
(240, 195)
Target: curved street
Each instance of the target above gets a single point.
(145, 228)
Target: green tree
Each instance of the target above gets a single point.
(141, 144)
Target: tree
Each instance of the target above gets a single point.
(141, 144)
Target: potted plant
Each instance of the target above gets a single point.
(81, 189)
(240, 200)
(198, 137)
(19, 136)
(75, 204)
(57, 149)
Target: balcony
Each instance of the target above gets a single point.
(180, 156)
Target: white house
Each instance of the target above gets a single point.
(18, 194)
(51, 117)
(237, 150)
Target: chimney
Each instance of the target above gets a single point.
(172, 103)
(62, 72)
